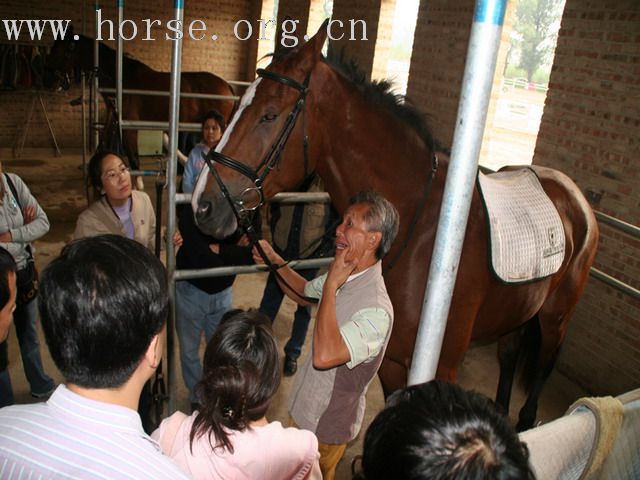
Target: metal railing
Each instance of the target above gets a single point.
(629, 229)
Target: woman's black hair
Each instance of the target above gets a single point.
(240, 376)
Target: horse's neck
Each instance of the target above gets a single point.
(372, 149)
(107, 57)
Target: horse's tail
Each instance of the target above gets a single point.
(530, 345)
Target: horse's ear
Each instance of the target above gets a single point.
(311, 50)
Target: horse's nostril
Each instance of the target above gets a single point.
(204, 208)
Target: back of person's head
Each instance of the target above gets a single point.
(7, 265)
(101, 303)
(439, 431)
(382, 217)
(217, 116)
(240, 375)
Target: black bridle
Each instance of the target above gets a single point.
(258, 176)
(269, 162)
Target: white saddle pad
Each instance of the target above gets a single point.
(526, 237)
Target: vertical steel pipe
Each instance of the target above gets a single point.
(472, 113)
(172, 171)
(96, 101)
(119, 56)
(83, 95)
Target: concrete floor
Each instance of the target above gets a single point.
(57, 183)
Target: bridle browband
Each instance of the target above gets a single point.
(268, 163)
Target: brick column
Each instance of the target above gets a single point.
(437, 62)
(362, 51)
(297, 10)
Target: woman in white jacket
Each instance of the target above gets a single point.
(22, 221)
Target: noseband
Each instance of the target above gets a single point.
(271, 159)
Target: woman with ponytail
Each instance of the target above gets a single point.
(229, 435)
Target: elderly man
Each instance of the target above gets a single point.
(352, 328)
(103, 305)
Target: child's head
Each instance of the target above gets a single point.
(240, 375)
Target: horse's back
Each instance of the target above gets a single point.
(505, 305)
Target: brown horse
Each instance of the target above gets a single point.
(360, 138)
(68, 56)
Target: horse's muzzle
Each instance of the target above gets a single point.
(215, 218)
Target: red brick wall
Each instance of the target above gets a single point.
(228, 57)
(591, 130)
(362, 51)
(437, 62)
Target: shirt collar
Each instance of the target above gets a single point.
(359, 274)
(95, 413)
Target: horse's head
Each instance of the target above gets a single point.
(262, 151)
(60, 63)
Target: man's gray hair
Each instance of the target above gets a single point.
(382, 217)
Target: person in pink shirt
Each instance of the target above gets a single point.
(230, 436)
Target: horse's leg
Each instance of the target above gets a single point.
(508, 353)
(393, 376)
(550, 332)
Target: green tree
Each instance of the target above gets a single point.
(536, 24)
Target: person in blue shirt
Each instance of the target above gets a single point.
(213, 125)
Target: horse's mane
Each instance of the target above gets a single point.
(379, 92)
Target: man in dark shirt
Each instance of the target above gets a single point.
(201, 302)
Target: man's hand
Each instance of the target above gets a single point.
(269, 252)
(343, 265)
(6, 237)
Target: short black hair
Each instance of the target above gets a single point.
(101, 303)
(438, 430)
(240, 375)
(217, 116)
(7, 264)
(95, 166)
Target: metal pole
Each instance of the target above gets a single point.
(472, 112)
(46, 117)
(615, 283)
(84, 121)
(158, 93)
(96, 101)
(301, 264)
(119, 55)
(172, 170)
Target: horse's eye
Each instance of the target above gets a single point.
(269, 117)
